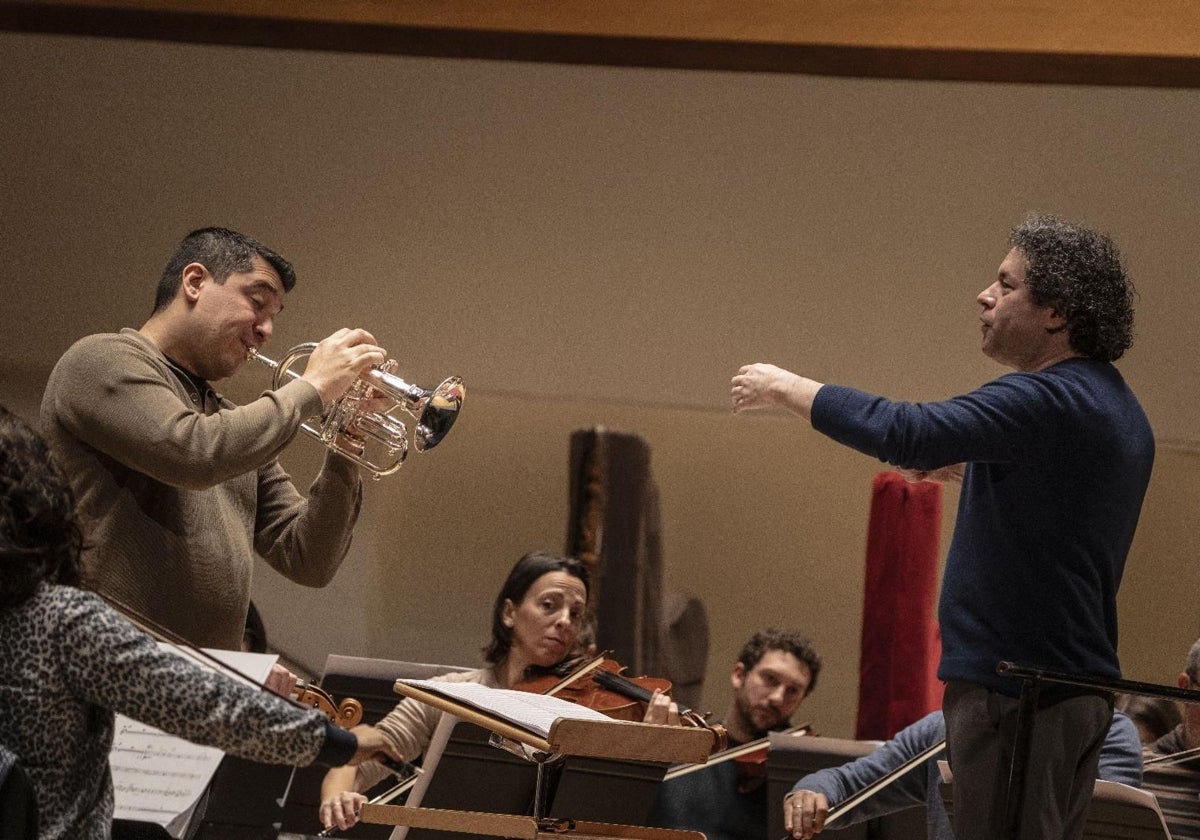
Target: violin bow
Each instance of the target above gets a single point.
(347, 714)
(734, 753)
(1170, 759)
(386, 797)
(192, 651)
(579, 673)
(847, 805)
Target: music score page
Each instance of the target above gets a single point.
(158, 778)
(535, 713)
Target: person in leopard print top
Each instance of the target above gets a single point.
(69, 662)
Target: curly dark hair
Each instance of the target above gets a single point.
(40, 539)
(789, 641)
(522, 576)
(1078, 272)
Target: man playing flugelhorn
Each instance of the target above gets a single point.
(177, 487)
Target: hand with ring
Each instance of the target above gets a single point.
(804, 813)
(341, 810)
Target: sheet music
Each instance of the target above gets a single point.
(157, 777)
(533, 712)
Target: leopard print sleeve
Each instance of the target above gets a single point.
(108, 662)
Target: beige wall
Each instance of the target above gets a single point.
(604, 246)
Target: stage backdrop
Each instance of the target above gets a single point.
(604, 246)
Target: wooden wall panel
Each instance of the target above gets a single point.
(1096, 42)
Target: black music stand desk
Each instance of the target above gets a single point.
(566, 737)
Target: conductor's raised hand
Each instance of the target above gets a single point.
(338, 360)
(766, 386)
(804, 814)
(758, 386)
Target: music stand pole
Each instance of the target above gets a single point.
(541, 799)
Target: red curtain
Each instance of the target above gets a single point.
(900, 645)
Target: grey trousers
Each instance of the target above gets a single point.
(1060, 774)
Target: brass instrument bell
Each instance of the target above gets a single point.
(351, 426)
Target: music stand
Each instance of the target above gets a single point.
(244, 801)
(241, 801)
(370, 681)
(607, 790)
(1031, 679)
(472, 775)
(1177, 789)
(567, 735)
(1116, 811)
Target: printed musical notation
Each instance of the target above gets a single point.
(533, 712)
(157, 777)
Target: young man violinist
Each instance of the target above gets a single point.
(775, 671)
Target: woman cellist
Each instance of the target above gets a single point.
(536, 623)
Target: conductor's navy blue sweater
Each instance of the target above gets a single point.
(1057, 463)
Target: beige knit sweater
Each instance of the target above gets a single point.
(177, 489)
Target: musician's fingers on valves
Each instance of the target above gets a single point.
(804, 814)
(337, 361)
(341, 810)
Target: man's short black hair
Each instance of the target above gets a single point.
(222, 252)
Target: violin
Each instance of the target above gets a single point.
(600, 684)
(347, 714)
(752, 764)
(597, 684)
(750, 758)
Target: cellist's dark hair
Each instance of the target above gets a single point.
(40, 538)
(522, 576)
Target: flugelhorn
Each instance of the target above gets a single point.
(352, 425)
